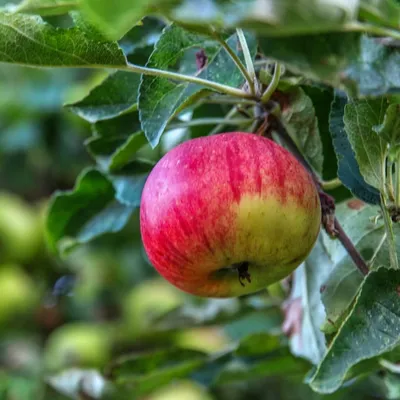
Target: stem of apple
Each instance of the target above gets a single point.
(187, 78)
(330, 222)
(272, 85)
(246, 74)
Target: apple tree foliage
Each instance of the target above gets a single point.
(148, 74)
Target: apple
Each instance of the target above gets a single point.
(21, 232)
(78, 344)
(228, 215)
(180, 390)
(207, 339)
(18, 293)
(147, 301)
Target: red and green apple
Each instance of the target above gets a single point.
(229, 214)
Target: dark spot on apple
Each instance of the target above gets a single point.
(355, 204)
(398, 290)
(243, 272)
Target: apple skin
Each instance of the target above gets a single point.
(215, 202)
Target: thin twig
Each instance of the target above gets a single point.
(351, 250)
(209, 121)
(273, 84)
(332, 184)
(187, 78)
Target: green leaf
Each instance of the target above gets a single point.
(161, 99)
(128, 182)
(122, 126)
(47, 7)
(213, 312)
(302, 125)
(147, 371)
(321, 57)
(116, 95)
(342, 285)
(113, 153)
(389, 130)
(115, 19)
(376, 69)
(274, 17)
(348, 169)
(362, 64)
(262, 366)
(143, 35)
(88, 211)
(360, 116)
(382, 12)
(257, 344)
(372, 329)
(29, 41)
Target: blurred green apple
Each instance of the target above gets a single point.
(78, 345)
(146, 302)
(207, 339)
(21, 232)
(18, 293)
(180, 390)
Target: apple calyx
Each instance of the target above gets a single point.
(243, 272)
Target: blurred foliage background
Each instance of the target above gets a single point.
(104, 300)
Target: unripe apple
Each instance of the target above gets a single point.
(228, 215)
(18, 293)
(20, 229)
(78, 344)
(180, 390)
(209, 339)
(146, 302)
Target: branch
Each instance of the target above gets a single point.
(273, 84)
(353, 252)
(187, 78)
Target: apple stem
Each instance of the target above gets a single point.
(329, 221)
